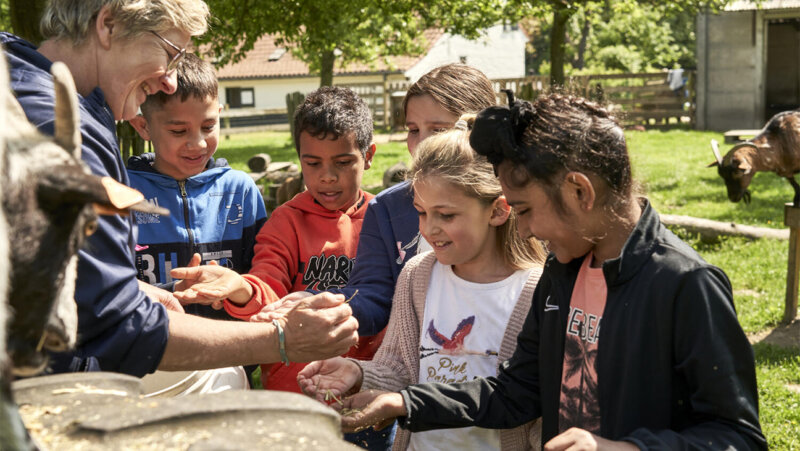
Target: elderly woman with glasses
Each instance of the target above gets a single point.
(119, 52)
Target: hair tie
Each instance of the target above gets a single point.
(498, 130)
(462, 125)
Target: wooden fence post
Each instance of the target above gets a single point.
(792, 220)
(226, 122)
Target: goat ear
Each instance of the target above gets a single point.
(72, 185)
(711, 165)
(122, 199)
(67, 127)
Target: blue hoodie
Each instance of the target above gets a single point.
(216, 213)
(119, 328)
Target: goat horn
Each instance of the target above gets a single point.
(67, 123)
(744, 144)
(715, 148)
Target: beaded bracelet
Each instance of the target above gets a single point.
(281, 342)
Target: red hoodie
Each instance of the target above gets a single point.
(303, 246)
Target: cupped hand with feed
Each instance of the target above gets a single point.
(319, 327)
(326, 379)
(576, 439)
(370, 408)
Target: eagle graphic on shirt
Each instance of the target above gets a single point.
(455, 344)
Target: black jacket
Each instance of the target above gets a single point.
(675, 370)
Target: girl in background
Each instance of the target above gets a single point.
(456, 311)
(632, 341)
(390, 233)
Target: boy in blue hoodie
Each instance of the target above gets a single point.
(216, 211)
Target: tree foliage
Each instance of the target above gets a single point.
(627, 35)
(23, 18)
(327, 32)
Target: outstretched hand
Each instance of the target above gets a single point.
(330, 379)
(210, 284)
(370, 408)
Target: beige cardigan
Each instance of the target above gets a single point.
(396, 363)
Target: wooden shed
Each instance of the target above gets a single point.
(748, 64)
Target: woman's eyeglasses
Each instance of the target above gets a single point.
(172, 65)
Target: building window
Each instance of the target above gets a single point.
(463, 59)
(240, 97)
(276, 54)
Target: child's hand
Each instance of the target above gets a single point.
(370, 408)
(328, 380)
(576, 438)
(210, 285)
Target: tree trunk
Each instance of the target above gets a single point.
(558, 37)
(580, 59)
(326, 68)
(25, 16)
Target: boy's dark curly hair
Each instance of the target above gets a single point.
(555, 134)
(331, 112)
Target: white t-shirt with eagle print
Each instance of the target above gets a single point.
(462, 330)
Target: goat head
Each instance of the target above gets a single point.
(735, 170)
(50, 202)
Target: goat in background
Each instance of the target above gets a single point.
(49, 202)
(776, 149)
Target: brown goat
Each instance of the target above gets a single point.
(776, 148)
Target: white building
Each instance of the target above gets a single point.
(748, 64)
(260, 82)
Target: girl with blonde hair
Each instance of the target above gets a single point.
(457, 310)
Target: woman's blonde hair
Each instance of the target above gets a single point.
(71, 19)
(449, 156)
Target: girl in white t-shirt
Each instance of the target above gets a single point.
(457, 310)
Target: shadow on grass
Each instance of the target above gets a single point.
(774, 355)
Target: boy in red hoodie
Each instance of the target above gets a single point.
(308, 243)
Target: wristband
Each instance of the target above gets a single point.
(281, 342)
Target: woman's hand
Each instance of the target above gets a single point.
(330, 380)
(370, 408)
(576, 439)
(279, 308)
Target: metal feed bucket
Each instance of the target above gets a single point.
(106, 411)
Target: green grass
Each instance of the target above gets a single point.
(671, 167)
(779, 406)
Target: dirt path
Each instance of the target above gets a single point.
(784, 336)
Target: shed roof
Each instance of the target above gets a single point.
(745, 5)
(261, 62)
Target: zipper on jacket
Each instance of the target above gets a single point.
(182, 186)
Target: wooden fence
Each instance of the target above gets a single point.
(643, 99)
